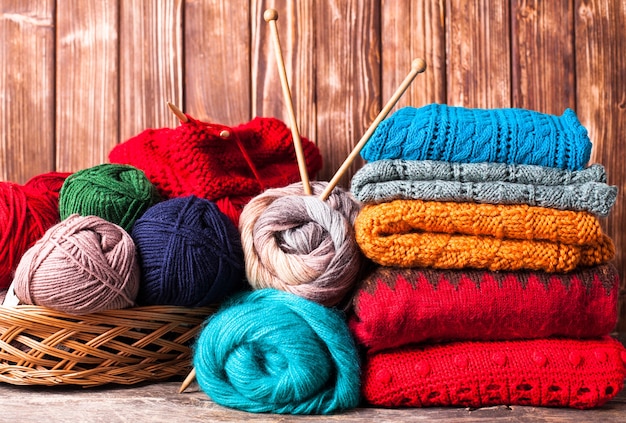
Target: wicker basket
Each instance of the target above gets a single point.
(41, 346)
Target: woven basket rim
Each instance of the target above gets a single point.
(43, 346)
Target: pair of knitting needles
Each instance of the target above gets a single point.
(417, 66)
(271, 16)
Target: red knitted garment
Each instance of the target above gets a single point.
(544, 372)
(394, 307)
(193, 159)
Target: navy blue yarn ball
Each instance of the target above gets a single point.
(189, 253)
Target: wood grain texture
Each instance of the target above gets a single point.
(348, 79)
(297, 29)
(478, 40)
(601, 105)
(543, 31)
(26, 89)
(217, 76)
(410, 30)
(87, 97)
(150, 64)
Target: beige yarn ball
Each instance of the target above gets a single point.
(84, 264)
(301, 244)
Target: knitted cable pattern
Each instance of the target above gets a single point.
(458, 134)
(492, 183)
(499, 221)
(393, 307)
(397, 234)
(543, 372)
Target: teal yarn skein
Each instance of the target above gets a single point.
(270, 351)
(117, 193)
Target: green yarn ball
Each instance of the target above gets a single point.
(117, 193)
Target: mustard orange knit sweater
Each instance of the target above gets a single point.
(451, 235)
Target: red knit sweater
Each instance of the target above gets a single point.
(542, 372)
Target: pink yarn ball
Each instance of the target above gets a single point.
(84, 264)
(301, 244)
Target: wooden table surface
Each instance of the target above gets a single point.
(161, 402)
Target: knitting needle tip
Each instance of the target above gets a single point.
(179, 114)
(190, 377)
(270, 15)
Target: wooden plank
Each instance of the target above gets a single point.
(26, 89)
(217, 61)
(543, 31)
(150, 64)
(296, 30)
(478, 40)
(410, 30)
(87, 101)
(601, 104)
(348, 79)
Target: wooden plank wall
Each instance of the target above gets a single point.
(78, 77)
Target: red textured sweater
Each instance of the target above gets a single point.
(395, 307)
(543, 372)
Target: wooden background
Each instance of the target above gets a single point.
(77, 76)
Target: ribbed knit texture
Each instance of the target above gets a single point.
(272, 351)
(394, 307)
(543, 372)
(415, 233)
(193, 159)
(493, 183)
(458, 134)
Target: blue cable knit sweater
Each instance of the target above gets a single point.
(463, 135)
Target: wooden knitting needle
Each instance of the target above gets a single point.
(271, 16)
(179, 114)
(183, 118)
(417, 66)
(190, 377)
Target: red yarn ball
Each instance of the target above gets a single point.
(47, 183)
(26, 212)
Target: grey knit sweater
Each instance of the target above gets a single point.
(493, 183)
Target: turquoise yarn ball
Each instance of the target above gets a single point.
(272, 351)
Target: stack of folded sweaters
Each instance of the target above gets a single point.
(492, 281)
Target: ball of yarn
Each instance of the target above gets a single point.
(83, 264)
(272, 351)
(189, 253)
(48, 183)
(114, 192)
(301, 244)
(25, 215)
